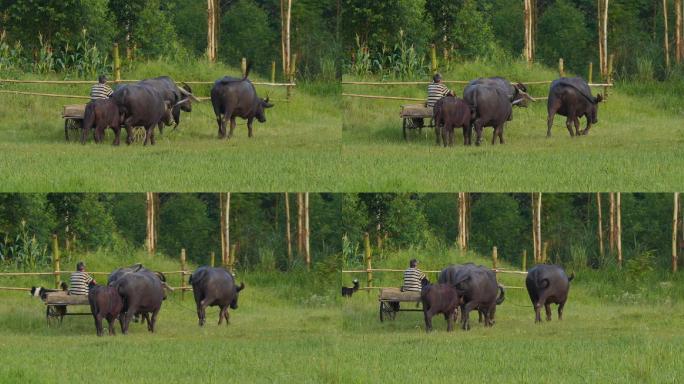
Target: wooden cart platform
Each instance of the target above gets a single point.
(390, 299)
(413, 116)
(56, 304)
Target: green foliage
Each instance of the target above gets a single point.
(184, 224)
(190, 23)
(153, 32)
(128, 211)
(405, 223)
(472, 32)
(498, 221)
(93, 225)
(245, 32)
(564, 33)
(24, 251)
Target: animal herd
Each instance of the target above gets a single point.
(137, 291)
(469, 287)
(158, 102)
(488, 102)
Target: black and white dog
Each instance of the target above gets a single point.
(42, 292)
(348, 292)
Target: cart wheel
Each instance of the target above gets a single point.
(381, 311)
(72, 130)
(51, 315)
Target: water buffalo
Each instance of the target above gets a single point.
(232, 97)
(101, 114)
(440, 298)
(179, 98)
(214, 287)
(571, 97)
(450, 112)
(491, 107)
(105, 303)
(548, 284)
(478, 288)
(119, 272)
(516, 93)
(142, 291)
(141, 105)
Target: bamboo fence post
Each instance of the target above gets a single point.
(495, 258)
(55, 259)
(233, 256)
(243, 66)
(600, 223)
(675, 219)
(619, 229)
(590, 75)
(534, 229)
(288, 233)
(212, 258)
(307, 249)
(524, 260)
(212, 28)
(610, 76)
(545, 249)
(291, 75)
(561, 69)
(611, 242)
(368, 257)
(182, 273)
(273, 71)
(117, 63)
(300, 222)
(433, 58)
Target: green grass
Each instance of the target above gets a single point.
(298, 148)
(289, 329)
(636, 146)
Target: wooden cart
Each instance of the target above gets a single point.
(57, 306)
(73, 121)
(390, 299)
(413, 116)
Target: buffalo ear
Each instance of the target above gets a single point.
(266, 104)
(599, 98)
(241, 287)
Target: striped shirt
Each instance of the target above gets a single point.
(100, 91)
(412, 279)
(78, 283)
(435, 92)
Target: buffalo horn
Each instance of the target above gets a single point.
(188, 94)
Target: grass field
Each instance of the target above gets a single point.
(636, 145)
(289, 329)
(298, 148)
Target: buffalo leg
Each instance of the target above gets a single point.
(226, 315)
(98, 323)
(450, 321)
(117, 135)
(153, 320)
(221, 126)
(560, 310)
(129, 132)
(552, 109)
(498, 131)
(110, 322)
(428, 321)
(222, 311)
(586, 130)
(577, 126)
(232, 126)
(465, 315)
(126, 321)
(201, 312)
(478, 132)
(249, 127)
(547, 306)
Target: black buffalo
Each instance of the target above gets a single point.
(450, 112)
(478, 288)
(214, 287)
(100, 115)
(142, 105)
(232, 97)
(142, 291)
(548, 284)
(491, 107)
(105, 303)
(516, 93)
(179, 98)
(440, 298)
(571, 97)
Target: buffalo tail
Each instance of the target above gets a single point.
(502, 294)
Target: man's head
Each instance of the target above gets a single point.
(413, 263)
(102, 79)
(80, 266)
(437, 78)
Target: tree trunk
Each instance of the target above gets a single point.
(462, 221)
(300, 223)
(307, 249)
(679, 39)
(611, 220)
(603, 38)
(528, 48)
(288, 235)
(151, 241)
(212, 27)
(285, 16)
(600, 223)
(225, 218)
(675, 222)
(666, 38)
(618, 229)
(536, 227)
